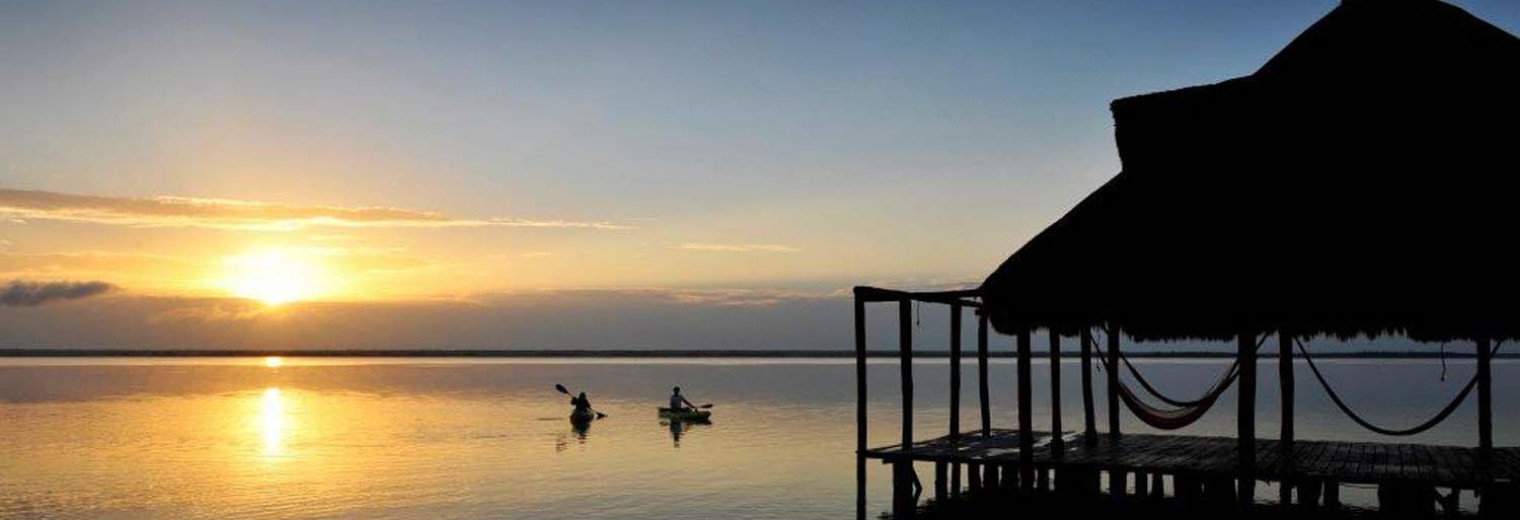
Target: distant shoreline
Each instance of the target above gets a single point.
(570, 354)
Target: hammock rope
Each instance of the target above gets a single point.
(1414, 430)
(1231, 374)
(1186, 412)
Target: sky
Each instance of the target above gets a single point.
(561, 174)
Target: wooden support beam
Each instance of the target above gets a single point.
(941, 481)
(1057, 445)
(1285, 394)
(1026, 412)
(905, 364)
(974, 476)
(903, 503)
(1142, 486)
(981, 371)
(1246, 417)
(1113, 381)
(1118, 484)
(860, 409)
(955, 479)
(1089, 420)
(1158, 486)
(1485, 398)
(955, 370)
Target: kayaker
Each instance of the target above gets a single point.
(678, 402)
(582, 405)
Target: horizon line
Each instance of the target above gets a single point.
(675, 353)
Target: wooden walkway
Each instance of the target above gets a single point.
(1346, 462)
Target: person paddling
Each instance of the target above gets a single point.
(582, 404)
(679, 402)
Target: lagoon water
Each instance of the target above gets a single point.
(471, 438)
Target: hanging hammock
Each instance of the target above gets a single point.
(1234, 369)
(1186, 412)
(1177, 417)
(1416, 429)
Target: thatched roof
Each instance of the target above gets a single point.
(1361, 182)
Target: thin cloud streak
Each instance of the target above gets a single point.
(32, 294)
(739, 248)
(19, 205)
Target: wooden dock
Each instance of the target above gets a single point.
(1206, 457)
(1412, 480)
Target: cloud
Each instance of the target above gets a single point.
(242, 214)
(32, 294)
(739, 248)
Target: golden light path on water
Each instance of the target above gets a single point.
(273, 422)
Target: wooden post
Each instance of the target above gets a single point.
(860, 409)
(1089, 420)
(955, 479)
(1485, 398)
(955, 370)
(1026, 412)
(905, 504)
(1113, 381)
(1246, 417)
(941, 481)
(981, 370)
(955, 391)
(902, 489)
(974, 476)
(1285, 391)
(905, 364)
(1057, 446)
(1118, 484)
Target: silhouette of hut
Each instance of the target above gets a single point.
(1359, 183)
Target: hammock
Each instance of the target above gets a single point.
(1175, 418)
(1414, 430)
(1186, 412)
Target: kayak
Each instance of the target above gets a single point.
(685, 415)
(582, 416)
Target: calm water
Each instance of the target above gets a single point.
(444, 438)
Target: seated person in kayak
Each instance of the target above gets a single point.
(582, 405)
(679, 403)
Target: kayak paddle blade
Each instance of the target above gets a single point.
(561, 388)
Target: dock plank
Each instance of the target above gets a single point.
(1349, 462)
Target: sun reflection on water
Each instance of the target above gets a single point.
(273, 422)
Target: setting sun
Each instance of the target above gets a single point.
(274, 362)
(272, 277)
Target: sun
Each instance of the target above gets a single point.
(272, 277)
(274, 361)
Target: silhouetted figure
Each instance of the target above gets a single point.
(678, 402)
(582, 405)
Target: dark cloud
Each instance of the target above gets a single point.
(32, 294)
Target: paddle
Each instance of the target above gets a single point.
(565, 391)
